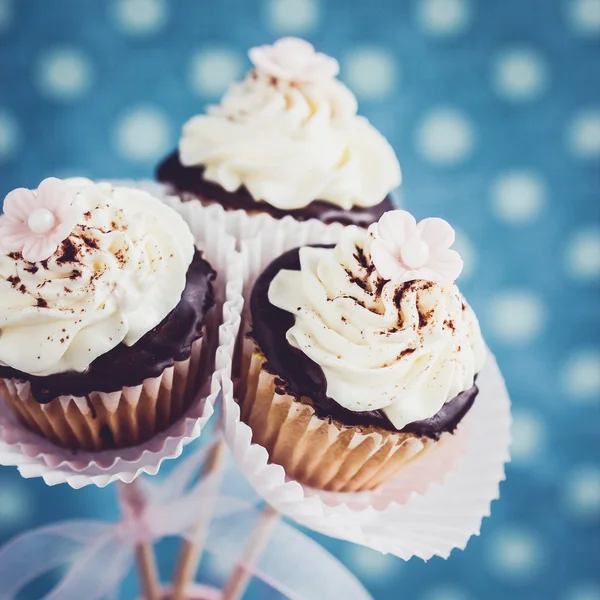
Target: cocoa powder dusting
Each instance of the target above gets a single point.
(424, 318)
(69, 252)
(14, 280)
(406, 352)
(400, 292)
(360, 257)
(90, 242)
(379, 286)
(357, 280)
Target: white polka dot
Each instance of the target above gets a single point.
(520, 75)
(17, 506)
(582, 489)
(444, 17)
(370, 72)
(581, 376)
(6, 15)
(584, 16)
(528, 436)
(514, 553)
(296, 17)
(583, 134)
(583, 591)
(143, 134)
(213, 71)
(445, 592)
(516, 316)
(64, 74)
(518, 196)
(583, 254)
(445, 136)
(139, 17)
(372, 566)
(466, 249)
(9, 135)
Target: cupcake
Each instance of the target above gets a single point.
(103, 305)
(287, 140)
(361, 356)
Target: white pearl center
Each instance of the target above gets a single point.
(41, 220)
(415, 253)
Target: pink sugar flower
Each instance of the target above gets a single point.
(35, 222)
(293, 59)
(403, 250)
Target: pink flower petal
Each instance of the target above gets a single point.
(61, 232)
(437, 233)
(396, 227)
(414, 253)
(293, 45)
(38, 248)
(13, 234)
(68, 217)
(263, 62)
(20, 203)
(55, 195)
(447, 264)
(386, 263)
(294, 59)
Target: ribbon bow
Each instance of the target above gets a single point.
(99, 555)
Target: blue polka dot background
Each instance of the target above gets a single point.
(494, 111)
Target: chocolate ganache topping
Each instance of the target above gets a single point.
(160, 348)
(191, 179)
(300, 376)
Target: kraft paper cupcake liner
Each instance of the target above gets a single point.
(316, 452)
(124, 418)
(431, 507)
(434, 505)
(37, 457)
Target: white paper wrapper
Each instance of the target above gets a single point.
(37, 457)
(245, 226)
(434, 505)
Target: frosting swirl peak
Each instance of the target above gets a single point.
(291, 143)
(118, 274)
(405, 348)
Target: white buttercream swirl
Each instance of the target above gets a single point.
(290, 144)
(130, 257)
(405, 349)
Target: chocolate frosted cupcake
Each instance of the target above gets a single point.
(104, 300)
(287, 140)
(362, 355)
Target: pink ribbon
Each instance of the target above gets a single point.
(99, 555)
